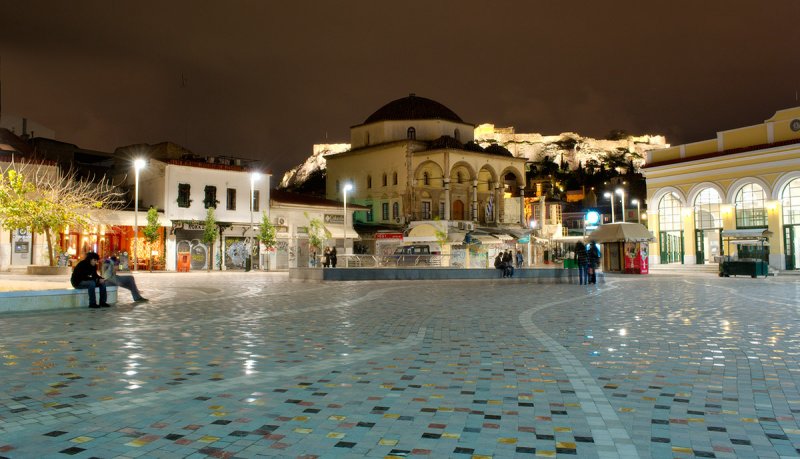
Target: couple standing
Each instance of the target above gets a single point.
(588, 259)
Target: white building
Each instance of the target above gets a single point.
(185, 189)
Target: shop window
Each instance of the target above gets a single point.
(441, 209)
(385, 211)
(750, 210)
(790, 199)
(210, 200)
(669, 213)
(256, 198)
(231, 199)
(370, 217)
(183, 195)
(707, 214)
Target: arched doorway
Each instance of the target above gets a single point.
(708, 226)
(790, 197)
(458, 210)
(670, 236)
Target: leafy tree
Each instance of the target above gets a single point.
(317, 232)
(151, 231)
(210, 234)
(44, 200)
(266, 232)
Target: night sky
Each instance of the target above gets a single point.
(267, 80)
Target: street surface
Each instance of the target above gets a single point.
(252, 365)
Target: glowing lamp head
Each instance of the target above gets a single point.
(348, 187)
(592, 217)
(607, 194)
(139, 164)
(634, 201)
(533, 224)
(255, 176)
(620, 191)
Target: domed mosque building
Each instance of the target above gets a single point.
(415, 160)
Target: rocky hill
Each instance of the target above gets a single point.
(568, 147)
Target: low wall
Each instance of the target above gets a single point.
(536, 275)
(43, 300)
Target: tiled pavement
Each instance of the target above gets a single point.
(252, 365)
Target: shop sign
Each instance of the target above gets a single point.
(389, 236)
(334, 218)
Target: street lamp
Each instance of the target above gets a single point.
(254, 176)
(347, 187)
(137, 166)
(611, 197)
(621, 192)
(638, 210)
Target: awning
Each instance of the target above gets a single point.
(126, 218)
(504, 237)
(485, 239)
(456, 237)
(621, 232)
(755, 233)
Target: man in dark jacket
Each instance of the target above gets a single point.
(84, 275)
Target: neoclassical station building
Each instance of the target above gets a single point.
(415, 159)
(737, 194)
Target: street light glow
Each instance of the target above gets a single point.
(138, 164)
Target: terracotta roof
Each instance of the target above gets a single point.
(413, 108)
(288, 197)
(186, 162)
(715, 154)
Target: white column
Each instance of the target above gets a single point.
(475, 201)
(522, 205)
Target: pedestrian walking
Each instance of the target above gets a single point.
(84, 275)
(111, 276)
(594, 261)
(582, 260)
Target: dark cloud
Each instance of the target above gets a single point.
(267, 80)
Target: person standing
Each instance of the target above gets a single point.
(333, 257)
(110, 267)
(582, 260)
(84, 275)
(594, 261)
(520, 259)
(326, 257)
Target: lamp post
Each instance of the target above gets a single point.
(254, 176)
(621, 192)
(347, 187)
(611, 197)
(638, 210)
(137, 166)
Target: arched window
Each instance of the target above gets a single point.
(426, 178)
(790, 198)
(384, 179)
(411, 134)
(750, 210)
(394, 178)
(369, 181)
(707, 213)
(669, 213)
(459, 177)
(457, 135)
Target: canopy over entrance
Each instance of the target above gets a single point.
(621, 232)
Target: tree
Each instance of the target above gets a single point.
(317, 232)
(266, 232)
(151, 231)
(210, 235)
(45, 200)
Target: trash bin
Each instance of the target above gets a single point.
(248, 263)
(570, 263)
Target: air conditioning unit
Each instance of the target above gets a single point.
(461, 225)
(281, 221)
(469, 226)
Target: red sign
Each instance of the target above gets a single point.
(389, 236)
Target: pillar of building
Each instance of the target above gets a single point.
(689, 239)
(777, 250)
(522, 205)
(497, 202)
(475, 201)
(447, 203)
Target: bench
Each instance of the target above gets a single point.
(43, 300)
